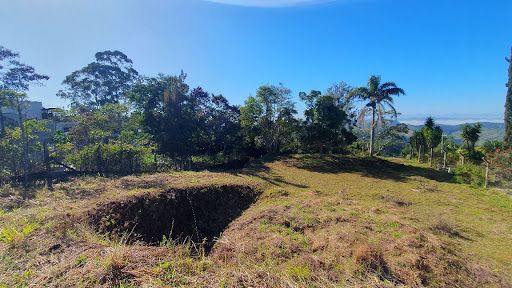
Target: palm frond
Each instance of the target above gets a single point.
(358, 93)
(395, 91)
(374, 83)
(388, 85)
(393, 110)
(362, 113)
(380, 114)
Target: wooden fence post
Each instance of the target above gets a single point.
(48, 166)
(463, 158)
(444, 159)
(486, 172)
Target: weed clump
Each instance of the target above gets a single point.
(445, 226)
(368, 259)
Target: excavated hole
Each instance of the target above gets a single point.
(199, 214)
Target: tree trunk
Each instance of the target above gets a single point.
(99, 162)
(431, 157)
(419, 154)
(2, 123)
(372, 132)
(24, 143)
(48, 166)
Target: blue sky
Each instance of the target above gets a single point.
(447, 55)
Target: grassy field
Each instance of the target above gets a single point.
(295, 221)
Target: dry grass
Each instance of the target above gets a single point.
(320, 222)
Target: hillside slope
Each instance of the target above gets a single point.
(315, 221)
(490, 131)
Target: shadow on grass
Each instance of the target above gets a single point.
(370, 167)
(258, 169)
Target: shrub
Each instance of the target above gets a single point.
(445, 226)
(470, 174)
(502, 166)
(113, 157)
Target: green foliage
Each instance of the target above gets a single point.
(502, 166)
(80, 260)
(451, 149)
(267, 120)
(508, 107)
(104, 81)
(182, 122)
(167, 112)
(14, 74)
(109, 121)
(490, 147)
(471, 134)
(324, 129)
(301, 273)
(11, 149)
(11, 235)
(470, 174)
(417, 141)
(113, 157)
(389, 140)
(474, 157)
(432, 136)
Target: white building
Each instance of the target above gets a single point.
(32, 110)
(35, 110)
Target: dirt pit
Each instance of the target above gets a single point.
(199, 214)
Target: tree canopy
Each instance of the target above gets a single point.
(104, 81)
(15, 75)
(470, 134)
(267, 118)
(325, 124)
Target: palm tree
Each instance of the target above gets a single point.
(377, 96)
(470, 135)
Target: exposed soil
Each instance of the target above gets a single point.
(199, 214)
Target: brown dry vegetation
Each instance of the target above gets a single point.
(330, 221)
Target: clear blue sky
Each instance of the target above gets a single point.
(447, 55)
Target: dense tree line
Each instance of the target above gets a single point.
(124, 121)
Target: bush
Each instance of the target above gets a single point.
(470, 174)
(113, 157)
(475, 156)
(502, 166)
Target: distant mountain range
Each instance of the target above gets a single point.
(490, 131)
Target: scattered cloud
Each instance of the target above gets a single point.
(269, 3)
